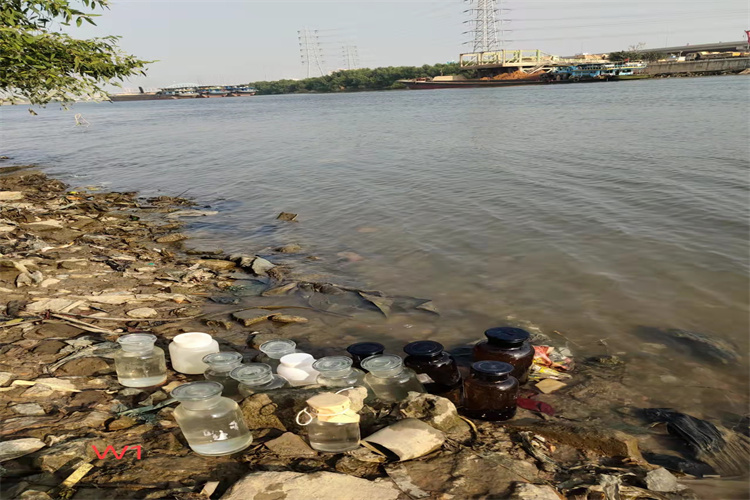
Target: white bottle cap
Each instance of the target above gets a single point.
(193, 340)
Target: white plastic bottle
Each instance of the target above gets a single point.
(187, 350)
(297, 369)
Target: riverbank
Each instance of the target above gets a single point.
(80, 267)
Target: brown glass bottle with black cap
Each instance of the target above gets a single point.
(510, 345)
(363, 350)
(490, 392)
(435, 368)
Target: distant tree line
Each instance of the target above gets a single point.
(636, 55)
(353, 80)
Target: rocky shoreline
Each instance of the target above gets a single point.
(79, 268)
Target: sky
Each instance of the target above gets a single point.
(227, 42)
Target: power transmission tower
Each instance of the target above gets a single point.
(351, 57)
(486, 27)
(311, 52)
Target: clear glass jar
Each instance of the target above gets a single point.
(491, 392)
(186, 352)
(139, 363)
(363, 350)
(332, 426)
(212, 424)
(273, 350)
(337, 372)
(220, 365)
(257, 377)
(509, 345)
(435, 368)
(389, 379)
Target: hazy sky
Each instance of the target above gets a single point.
(224, 42)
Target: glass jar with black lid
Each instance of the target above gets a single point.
(510, 345)
(363, 350)
(491, 392)
(435, 368)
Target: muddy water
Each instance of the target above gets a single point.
(609, 213)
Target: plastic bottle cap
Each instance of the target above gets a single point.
(365, 349)
(137, 341)
(277, 348)
(297, 359)
(197, 391)
(424, 348)
(222, 358)
(492, 368)
(193, 340)
(333, 365)
(253, 374)
(507, 336)
(382, 363)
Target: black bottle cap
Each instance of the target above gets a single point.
(492, 368)
(365, 349)
(507, 336)
(424, 348)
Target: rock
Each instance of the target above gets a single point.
(142, 313)
(406, 439)
(287, 216)
(318, 485)
(528, 491)
(354, 467)
(261, 266)
(662, 480)
(34, 495)
(84, 367)
(292, 446)
(122, 423)
(55, 331)
(43, 225)
(285, 318)
(351, 256)
(11, 195)
(54, 305)
(29, 409)
(383, 304)
(250, 317)
(548, 385)
(171, 238)
(260, 413)
(437, 411)
(217, 264)
(54, 384)
(291, 248)
(55, 457)
(5, 378)
(49, 282)
(19, 447)
(191, 213)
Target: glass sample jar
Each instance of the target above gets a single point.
(510, 345)
(363, 350)
(138, 363)
(337, 372)
(331, 425)
(212, 424)
(187, 350)
(389, 379)
(220, 364)
(490, 392)
(256, 377)
(435, 368)
(273, 350)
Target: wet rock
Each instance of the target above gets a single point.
(528, 491)
(351, 256)
(142, 313)
(383, 304)
(286, 318)
(5, 378)
(48, 347)
(217, 265)
(662, 480)
(161, 470)
(287, 216)
(84, 367)
(171, 238)
(57, 456)
(34, 494)
(29, 409)
(260, 413)
(55, 331)
(299, 486)
(291, 446)
(437, 411)
(250, 317)
(290, 248)
(355, 467)
(261, 266)
(122, 423)
(19, 447)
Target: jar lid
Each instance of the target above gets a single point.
(193, 340)
(252, 373)
(329, 403)
(492, 368)
(223, 359)
(137, 341)
(382, 363)
(278, 347)
(333, 364)
(197, 391)
(297, 359)
(507, 336)
(424, 348)
(365, 349)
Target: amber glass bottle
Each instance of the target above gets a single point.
(435, 368)
(363, 350)
(510, 345)
(490, 392)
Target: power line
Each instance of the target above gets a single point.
(350, 56)
(311, 52)
(487, 36)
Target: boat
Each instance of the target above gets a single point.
(240, 91)
(212, 92)
(458, 81)
(594, 72)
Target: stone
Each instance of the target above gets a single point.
(437, 411)
(34, 495)
(43, 225)
(250, 317)
(52, 330)
(55, 384)
(528, 491)
(261, 266)
(49, 282)
(84, 367)
(318, 485)
(548, 385)
(11, 195)
(54, 305)
(217, 264)
(122, 423)
(662, 480)
(19, 447)
(290, 445)
(290, 248)
(29, 409)
(55, 457)
(287, 216)
(142, 313)
(5, 378)
(286, 318)
(171, 238)
(260, 413)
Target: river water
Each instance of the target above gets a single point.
(606, 212)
